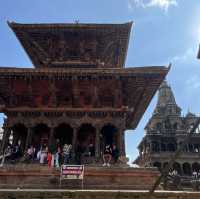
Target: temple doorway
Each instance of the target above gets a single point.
(166, 166)
(64, 133)
(196, 167)
(85, 138)
(41, 135)
(177, 167)
(108, 136)
(19, 135)
(186, 169)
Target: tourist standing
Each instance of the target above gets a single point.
(16, 151)
(91, 150)
(58, 154)
(55, 150)
(115, 153)
(49, 159)
(67, 153)
(79, 151)
(52, 150)
(30, 153)
(43, 156)
(107, 156)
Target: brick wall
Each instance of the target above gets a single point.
(95, 178)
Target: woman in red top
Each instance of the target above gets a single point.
(49, 159)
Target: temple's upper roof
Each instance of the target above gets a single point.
(74, 45)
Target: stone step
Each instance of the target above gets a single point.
(36, 176)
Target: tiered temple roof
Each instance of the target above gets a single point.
(78, 61)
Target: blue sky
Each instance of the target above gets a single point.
(164, 31)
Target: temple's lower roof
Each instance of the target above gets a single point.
(128, 90)
(159, 70)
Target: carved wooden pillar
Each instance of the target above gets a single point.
(151, 147)
(51, 136)
(159, 147)
(29, 138)
(15, 138)
(121, 142)
(74, 141)
(97, 143)
(5, 140)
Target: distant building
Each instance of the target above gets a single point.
(165, 132)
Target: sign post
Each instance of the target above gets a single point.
(72, 172)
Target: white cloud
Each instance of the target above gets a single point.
(193, 82)
(162, 4)
(188, 56)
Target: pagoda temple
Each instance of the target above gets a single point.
(79, 90)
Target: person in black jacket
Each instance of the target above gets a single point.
(115, 153)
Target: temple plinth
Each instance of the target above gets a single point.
(79, 90)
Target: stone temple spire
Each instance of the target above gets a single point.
(166, 104)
